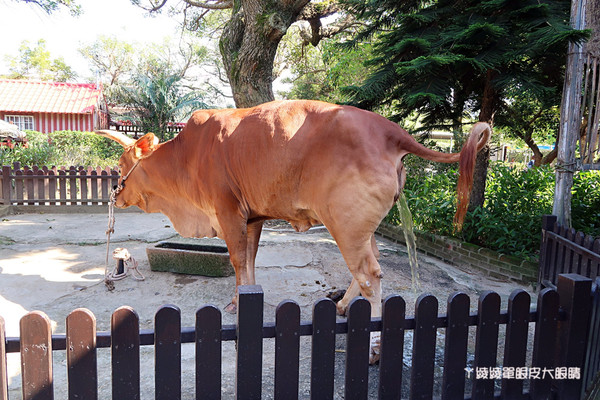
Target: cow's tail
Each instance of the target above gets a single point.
(479, 136)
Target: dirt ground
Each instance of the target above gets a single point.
(55, 263)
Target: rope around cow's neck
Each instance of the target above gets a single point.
(130, 264)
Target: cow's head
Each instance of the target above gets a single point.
(134, 177)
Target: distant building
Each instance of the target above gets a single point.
(52, 106)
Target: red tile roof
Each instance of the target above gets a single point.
(48, 97)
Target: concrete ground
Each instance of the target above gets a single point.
(56, 263)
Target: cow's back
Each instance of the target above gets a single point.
(284, 159)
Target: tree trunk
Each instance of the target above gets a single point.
(592, 21)
(486, 114)
(570, 121)
(249, 43)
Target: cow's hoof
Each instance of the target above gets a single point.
(337, 295)
(231, 308)
(341, 309)
(373, 357)
(375, 348)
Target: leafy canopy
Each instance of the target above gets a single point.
(435, 58)
(35, 62)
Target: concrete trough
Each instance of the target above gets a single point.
(188, 258)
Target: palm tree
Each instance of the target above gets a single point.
(158, 98)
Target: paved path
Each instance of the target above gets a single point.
(55, 263)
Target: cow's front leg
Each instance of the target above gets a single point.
(244, 266)
(253, 237)
(235, 233)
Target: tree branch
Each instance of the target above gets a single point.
(218, 5)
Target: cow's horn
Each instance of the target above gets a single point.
(118, 137)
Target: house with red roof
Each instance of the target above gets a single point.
(53, 106)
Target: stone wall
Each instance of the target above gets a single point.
(467, 256)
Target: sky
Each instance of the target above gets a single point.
(64, 34)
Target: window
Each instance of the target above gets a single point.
(24, 122)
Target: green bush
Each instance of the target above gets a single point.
(64, 148)
(585, 203)
(38, 152)
(516, 199)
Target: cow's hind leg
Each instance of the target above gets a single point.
(358, 252)
(352, 291)
(354, 288)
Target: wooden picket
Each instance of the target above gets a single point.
(287, 350)
(167, 348)
(357, 350)
(36, 357)
(3, 371)
(457, 337)
(208, 353)
(545, 339)
(81, 355)
(125, 350)
(323, 350)
(515, 348)
(392, 348)
(423, 356)
(249, 342)
(559, 340)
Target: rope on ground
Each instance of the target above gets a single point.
(129, 266)
(129, 263)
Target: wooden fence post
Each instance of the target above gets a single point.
(575, 300)
(548, 223)
(248, 376)
(570, 119)
(6, 185)
(592, 357)
(3, 371)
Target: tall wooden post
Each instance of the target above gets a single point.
(570, 120)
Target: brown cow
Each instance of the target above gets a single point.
(305, 162)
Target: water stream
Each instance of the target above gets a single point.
(411, 243)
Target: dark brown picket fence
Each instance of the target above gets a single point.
(565, 251)
(560, 328)
(39, 187)
(136, 131)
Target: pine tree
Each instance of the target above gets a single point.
(451, 62)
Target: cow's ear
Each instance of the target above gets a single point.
(145, 145)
